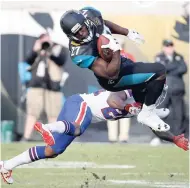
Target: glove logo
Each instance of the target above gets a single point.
(111, 82)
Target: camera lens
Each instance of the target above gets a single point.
(45, 45)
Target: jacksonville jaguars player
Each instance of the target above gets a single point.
(80, 110)
(83, 28)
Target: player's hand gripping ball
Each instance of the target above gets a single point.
(106, 45)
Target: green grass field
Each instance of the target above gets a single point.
(91, 166)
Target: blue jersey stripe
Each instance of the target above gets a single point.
(133, 79)
(84, 61)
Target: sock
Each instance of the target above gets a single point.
(29, 156)
(154, 90)
(61, 127)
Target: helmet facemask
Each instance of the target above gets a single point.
(88, 38)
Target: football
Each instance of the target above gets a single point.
(105, 53)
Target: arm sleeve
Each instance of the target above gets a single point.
(84, 61)
(167, 136)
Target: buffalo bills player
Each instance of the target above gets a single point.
(77, 114)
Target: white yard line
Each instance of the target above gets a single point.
(151, 183)
(149, 173)
(74, 164)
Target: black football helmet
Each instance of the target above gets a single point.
(72, 21)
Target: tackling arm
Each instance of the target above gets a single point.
(117, 100)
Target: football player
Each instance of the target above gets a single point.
(77, 114)
(83, 28)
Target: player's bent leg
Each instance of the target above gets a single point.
(46, 130)
(31, 155)
(76, 114)
(154, 86)
(73, 120)
(140, 95)
(62, 141)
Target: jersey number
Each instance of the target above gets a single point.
(108, 112)
(75, 50)
(111, 113)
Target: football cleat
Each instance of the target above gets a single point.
(162, 112)
(148, 117)
(6, 174)
(45, 133)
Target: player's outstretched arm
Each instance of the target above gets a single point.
(179, 140)
(116, 29)
(130, 33)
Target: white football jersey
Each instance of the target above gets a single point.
(100, 109)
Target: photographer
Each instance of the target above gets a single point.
(44, 93)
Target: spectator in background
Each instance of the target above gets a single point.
(176, 68)
(118, 130)
(44, 93)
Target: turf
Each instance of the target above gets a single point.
(161, 167)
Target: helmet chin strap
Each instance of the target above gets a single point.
(89, 38)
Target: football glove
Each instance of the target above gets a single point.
(135, 36)
(133, 108)
(181, 142)
(113, 43)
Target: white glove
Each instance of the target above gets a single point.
(135, 36)
(113, 44)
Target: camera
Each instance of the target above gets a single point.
(45, 45)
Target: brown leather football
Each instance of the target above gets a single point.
(105, 53)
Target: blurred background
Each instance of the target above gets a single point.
(164, 25)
